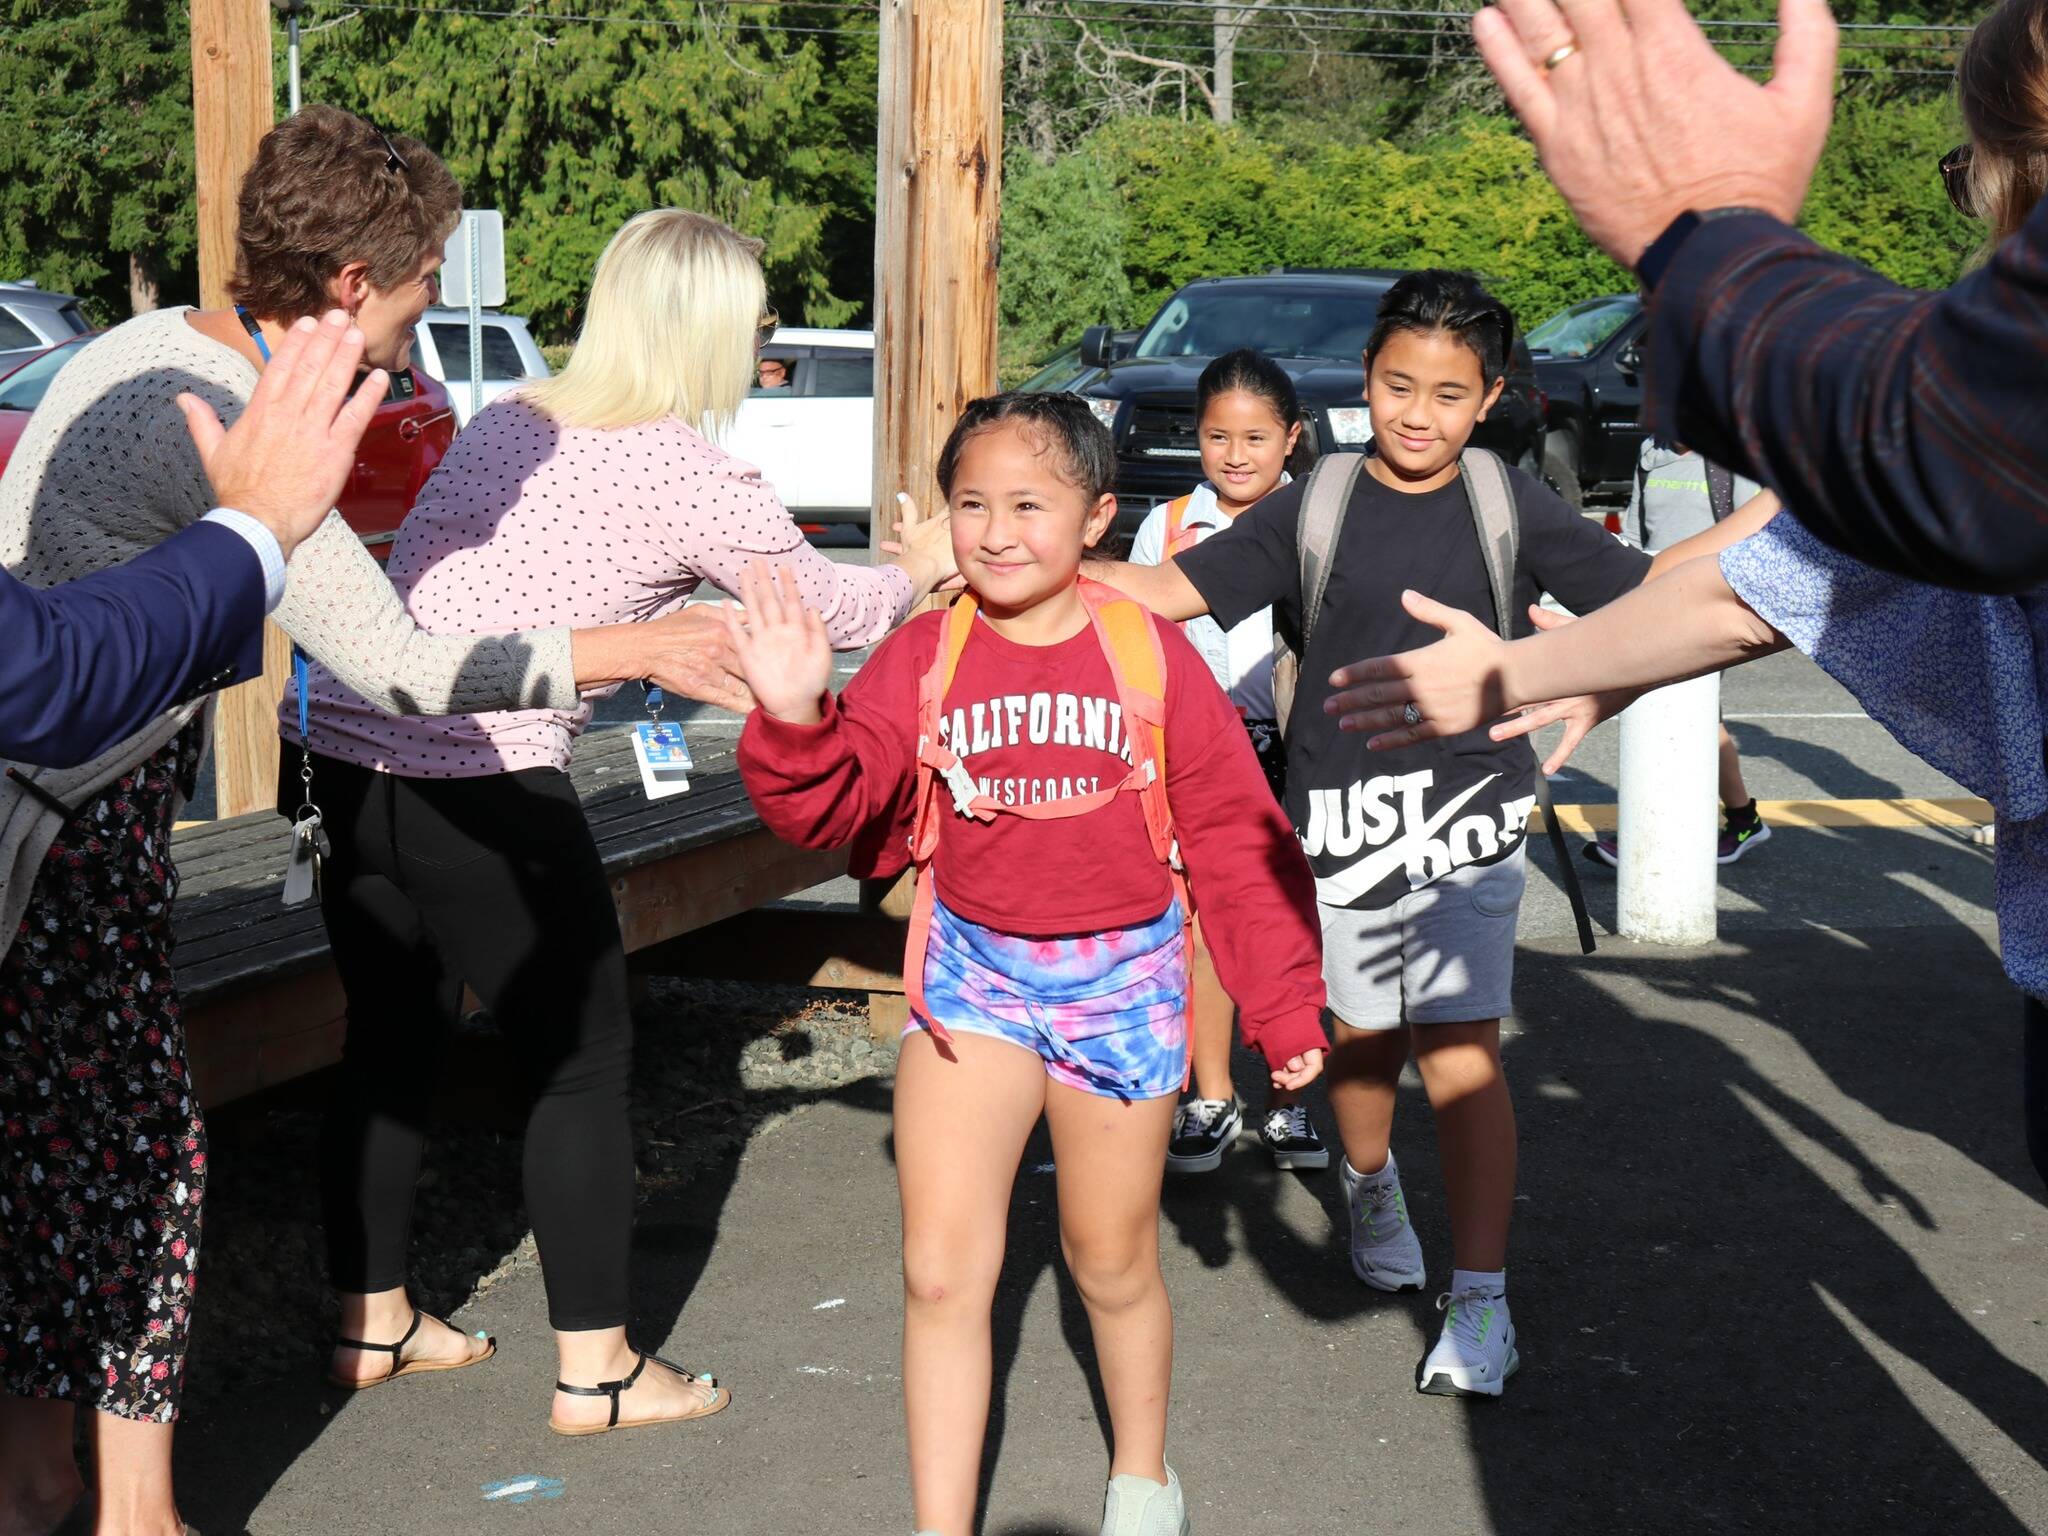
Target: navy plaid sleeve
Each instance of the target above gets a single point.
(1908, 429)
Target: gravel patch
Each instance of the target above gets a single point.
(713, 1061)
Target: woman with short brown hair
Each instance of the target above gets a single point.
(102, 1147)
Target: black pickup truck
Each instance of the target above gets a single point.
(1589, 361)
(1313, 323)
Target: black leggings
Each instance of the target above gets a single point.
(492, 881)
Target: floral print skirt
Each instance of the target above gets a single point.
(102, 1151)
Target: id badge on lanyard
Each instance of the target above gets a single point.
(310, 846)
(659, 749)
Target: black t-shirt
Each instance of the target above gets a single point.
(1377, 825)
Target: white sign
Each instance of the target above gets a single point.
(486, 226)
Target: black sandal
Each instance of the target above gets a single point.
(715, 1401)
(400, 1366)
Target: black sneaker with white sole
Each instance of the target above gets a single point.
(1203, 1130)
(1290, 1135)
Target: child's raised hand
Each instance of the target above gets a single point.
(1300, 1070)
(781, 645)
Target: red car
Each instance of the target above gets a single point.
(407, 437)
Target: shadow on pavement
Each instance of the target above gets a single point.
(1722, 1298)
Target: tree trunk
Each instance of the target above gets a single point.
(143, 289)
(1224, 30)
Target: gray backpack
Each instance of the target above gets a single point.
(1325, 499)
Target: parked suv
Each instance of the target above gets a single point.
(1314, 324)
(1590, 362)
(32, 320)
(813, 435)
(441, 348)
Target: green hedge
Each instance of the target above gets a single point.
(1107, 233)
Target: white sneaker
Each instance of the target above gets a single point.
(1137, 1506)
(1475, 1355)
(1385, 1253)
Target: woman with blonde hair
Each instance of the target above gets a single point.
(103, 1163)
(460, 851)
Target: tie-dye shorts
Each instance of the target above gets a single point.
(1106, 1012)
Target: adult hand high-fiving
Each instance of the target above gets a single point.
(288, 456)
(1908, 429)
(1638, 120)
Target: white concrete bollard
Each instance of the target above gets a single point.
(1670, 817)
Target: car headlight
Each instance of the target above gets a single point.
(1105, 410)
(1351, 425)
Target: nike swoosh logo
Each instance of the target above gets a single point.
(1347, 885)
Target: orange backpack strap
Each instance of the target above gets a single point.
(928, 810)
(1179, 537)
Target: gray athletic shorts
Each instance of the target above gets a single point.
(1442, 955)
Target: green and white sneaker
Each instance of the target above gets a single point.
(1385, 1252)
(1475, 1355)
(1137, 1506)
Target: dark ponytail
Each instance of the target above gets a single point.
(1451, 303)
(1253, 373)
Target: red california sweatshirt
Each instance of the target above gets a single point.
(1037, 723)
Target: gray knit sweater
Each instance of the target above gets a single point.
(106, 469)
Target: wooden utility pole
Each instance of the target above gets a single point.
(937, 236)
(233, 106)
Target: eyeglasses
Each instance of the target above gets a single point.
(393, 160)
(1955, 179)
(765, 327)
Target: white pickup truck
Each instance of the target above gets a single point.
(811, 431)
(441, 348)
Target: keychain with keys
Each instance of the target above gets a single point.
(311, 846)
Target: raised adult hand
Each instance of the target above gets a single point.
(1643, 120)
(690, 653)
(1579, 713)
(1455, 684)
(285, 461)
(783, 652)
(924, 547)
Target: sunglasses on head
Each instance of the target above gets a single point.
(393, 160)
(1955, 179)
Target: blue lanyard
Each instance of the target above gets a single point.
(255, 331)
(299, 671)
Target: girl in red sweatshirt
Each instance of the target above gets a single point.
(1016, 748)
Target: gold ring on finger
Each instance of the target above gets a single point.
(1559, 55)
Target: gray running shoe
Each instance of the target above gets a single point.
(1385, 1252)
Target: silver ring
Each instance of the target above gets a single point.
(1559, 55)
(1411, 713)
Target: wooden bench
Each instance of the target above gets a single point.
(263, 1004)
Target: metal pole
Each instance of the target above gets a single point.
(291, 28)
(476, 316)
(1669, 824)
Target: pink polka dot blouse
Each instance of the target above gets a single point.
(526, 523)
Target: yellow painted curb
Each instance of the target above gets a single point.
(1951, 815)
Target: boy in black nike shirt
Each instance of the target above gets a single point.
(1418, 852)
